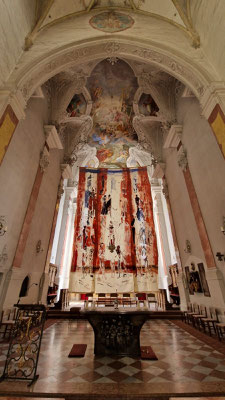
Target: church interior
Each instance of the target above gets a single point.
(112, 213)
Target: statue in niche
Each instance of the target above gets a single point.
(147, 106)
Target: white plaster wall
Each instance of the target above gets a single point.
(18, 170)
(17, 175)
(207, 168)
(42, 222)
(17, 19)
(206, 165)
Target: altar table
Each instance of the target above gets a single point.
(117, 332)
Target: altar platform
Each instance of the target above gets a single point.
(186, 366)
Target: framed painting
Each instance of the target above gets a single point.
(203, 279)
(187, 272)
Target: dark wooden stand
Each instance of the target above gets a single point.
(117, 332)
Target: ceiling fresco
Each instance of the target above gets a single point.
(77, 106)
(147, 106)
(111, 22)
(112, 89)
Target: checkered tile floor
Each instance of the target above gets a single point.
(181, 357)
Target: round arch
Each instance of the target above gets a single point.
(36, 73)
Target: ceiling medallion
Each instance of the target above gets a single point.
(111, 22)
(112, 60)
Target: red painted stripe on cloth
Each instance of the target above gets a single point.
(144, 188)
(129, 214)
(77, 223)
(101, 191)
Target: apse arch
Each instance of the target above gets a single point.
(35, 74)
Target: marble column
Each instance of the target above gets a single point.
(45, 276)
(60, 253)
(66, 262)
(44, 162)
(173, 231)
(184, 297)
(162, 239)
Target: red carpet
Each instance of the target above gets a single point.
(78, 350)
(147, 353)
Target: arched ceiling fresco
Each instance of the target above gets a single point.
(112, 88)
(77, 106)
(113, 106)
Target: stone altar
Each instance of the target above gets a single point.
(117, 331)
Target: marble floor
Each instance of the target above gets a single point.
(185, 364)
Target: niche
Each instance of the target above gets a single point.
(24, 287)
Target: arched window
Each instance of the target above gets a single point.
(24, 287)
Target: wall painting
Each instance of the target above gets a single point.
(111, 22)
(147, 106)
(77, 106)
(8, 123)
(112, 89)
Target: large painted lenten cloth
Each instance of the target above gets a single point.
(114, 238)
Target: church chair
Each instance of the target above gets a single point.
(89, 297)
(196, 318)
(210, 321)
(220, 328)
(141, 297)
(189, 309)
(8, 321)
(152, 300)
(195, 311)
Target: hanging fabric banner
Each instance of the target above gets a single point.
(114, 236)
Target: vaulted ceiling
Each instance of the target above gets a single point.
(33, 30)
(176, 12)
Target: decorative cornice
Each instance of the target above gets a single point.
(16, 100)
(182, 158)
(37, 74)
(52, 137)
(214, 94)
(173, 137)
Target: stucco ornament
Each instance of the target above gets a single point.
(161, 86)
(143, 142)
(64, 86)
(165, 189)
(3, 256)
(182, 159)
(77, 133)
(44, 159)
(39, 73)
(149, 136)
(60, 189)
(70, 160)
